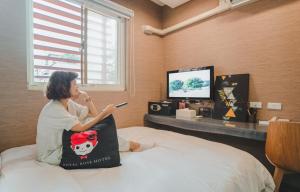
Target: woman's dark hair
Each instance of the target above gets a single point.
(59, 85)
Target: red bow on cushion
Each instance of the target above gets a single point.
(83, 157)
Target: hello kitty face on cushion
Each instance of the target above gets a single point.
(83, 143)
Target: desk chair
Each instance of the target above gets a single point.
(283, 148)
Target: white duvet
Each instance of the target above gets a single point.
(177, 163)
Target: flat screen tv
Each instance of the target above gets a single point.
(193, 84)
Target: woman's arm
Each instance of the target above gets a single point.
(92, 109)
(109, 109)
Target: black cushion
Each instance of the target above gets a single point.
(95, 148)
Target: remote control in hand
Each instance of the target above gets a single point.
(121, 105)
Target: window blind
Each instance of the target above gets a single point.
(88, 37)
(56, 37)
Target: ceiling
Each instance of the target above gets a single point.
(170, 3)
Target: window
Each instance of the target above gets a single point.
(86, 37)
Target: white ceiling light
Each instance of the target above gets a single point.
(170, 3)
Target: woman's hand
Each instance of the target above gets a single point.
(109, 109)
(84, 96)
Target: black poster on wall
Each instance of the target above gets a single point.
(231, 97)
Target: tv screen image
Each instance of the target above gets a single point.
(195, 84)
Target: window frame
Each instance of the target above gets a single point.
(103, 7)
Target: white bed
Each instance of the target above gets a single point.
(177, 163)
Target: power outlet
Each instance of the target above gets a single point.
(274, 106)
(257, 105)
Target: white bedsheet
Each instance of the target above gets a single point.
(178, 163)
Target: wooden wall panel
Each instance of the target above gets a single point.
(262, 39)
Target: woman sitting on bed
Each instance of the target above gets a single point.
(62, 113)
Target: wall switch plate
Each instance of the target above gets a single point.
(275, 106)
(257, 105)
